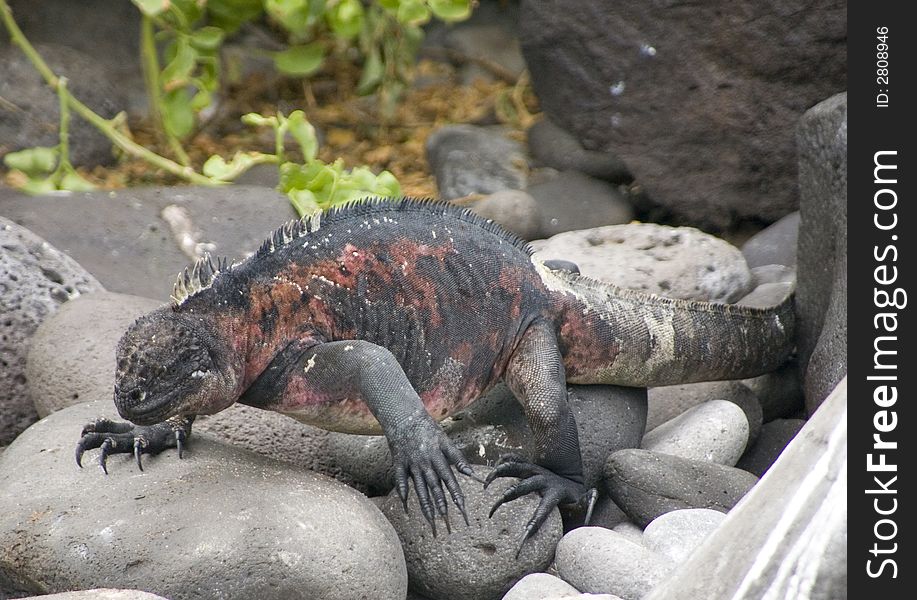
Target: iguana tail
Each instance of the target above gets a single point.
(618, 336)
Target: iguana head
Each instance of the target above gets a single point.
(169, 364)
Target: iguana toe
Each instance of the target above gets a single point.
(113, 437)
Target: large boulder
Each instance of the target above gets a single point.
(821, 297)
(788, 537)
(699, 100)
(222, 522)
(149, 234)
(35, 280)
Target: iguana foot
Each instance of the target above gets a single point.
(425, 455)
(554, 489)
(115, 437)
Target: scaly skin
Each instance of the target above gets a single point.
(392, 314)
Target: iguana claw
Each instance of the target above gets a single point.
(113, 437)
(555, 490)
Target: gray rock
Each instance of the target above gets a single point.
(684, 110)
(715, 431)
(821, 299)
(478, 561)
(775, 244)
(775, 436)
(35, 280)
(475, 160)
(540, 586)
(100, 594)
(105, 31)
(72, 358)
(767, 295)
(773, 274)
(571, 201)
(515, 210)
(553, 147)
(608, 418)
(133, 250)
(254, 527)
(677, 534)
(606, 513)
(629, 530)
(667, 402)
(648, 484)
(30, 116)
(678, 262)
(788, 538)
(602, 561)
(779, 392)
(265, 175)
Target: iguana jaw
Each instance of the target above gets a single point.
(167, 365)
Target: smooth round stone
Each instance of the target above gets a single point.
(515, 210)
(571, 201)
(678, 533)
(715, 431)
(540, 586)
(649, 484)
(222, 522)
(478, 561)
(72, 358)
(678, 262)
(467, 159)
(667, 402)
(554, 147)
(601, 561)
(775, 244)
(99, 594)
(774, 438)
(629, 530)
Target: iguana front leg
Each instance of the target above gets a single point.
(535, 374)
(328, 384)
(116, 437)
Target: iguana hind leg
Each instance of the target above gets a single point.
(117, 437)
(535, 374)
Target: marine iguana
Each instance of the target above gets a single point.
(387, 316)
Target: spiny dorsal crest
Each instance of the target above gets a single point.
(199, 276)
(289, 232)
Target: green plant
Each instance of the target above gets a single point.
(311, 185)
(189, 33)
(46, 169)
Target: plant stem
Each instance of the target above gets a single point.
(150, 62)
(63, 149)
(126, 144)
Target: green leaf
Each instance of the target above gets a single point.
(178, 117)
(229, 15)
(450, 10)
(75, 183)
(201, 100)
(37, 187)
(389, 5)
(346, 18)
(304, 134)
(256, 120)
(179, 69)
(32, 161)
(373, 71)
(304, 202)
(207, 38)
(293, 15)
(152, 8)
(300, 60)
(387, 185)
(413, 12)
(217, 168)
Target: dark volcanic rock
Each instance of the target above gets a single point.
(35, 280)
(699, 100)
(647, 484)
(553, 147)
(476, 562)
(821, 298)
(30, 114)
(767, 448)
